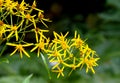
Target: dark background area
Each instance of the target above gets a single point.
(64, 13)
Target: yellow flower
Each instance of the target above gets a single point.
(1, 5)
(34, 7)
(42, 19)
(59, 60)
(59, 71)
(14, 30)
(77, 41)
(22, 7)
(64, 45)
(28, 18)
(60, 37)
(3, 28)
(20, 48)
(2, 31)
(54, 54)
(87, 52)
(73, 65)
(40, 46)
(34, 4)
(73, 53)
(10, 6)
(90, 63)
(39, 32)
(62, 42)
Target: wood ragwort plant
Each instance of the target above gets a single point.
(17, 20)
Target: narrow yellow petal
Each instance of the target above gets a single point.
(56, 65)
(13, 52)
(66, 34)
(52, 60)
(55, 70)
(38, 10)
(11, 44)
(62, 74)
(44, 24)
(55, 34)
(67, 65)
(26, 53)
(10, 34)
(87, 70)
(34, 22)
(38, 53)
(75, 36)
(36, 35)
(21, 54)
(48, 20)
(28, 44)
(92, 70)
(16, 35)
(58, 75)
(34, 48)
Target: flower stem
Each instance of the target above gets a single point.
(44, 60)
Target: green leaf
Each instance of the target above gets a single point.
(27, 80)
(43, 58)
(115, 3)
(4, 60)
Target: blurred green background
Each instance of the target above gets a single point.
(102, 31)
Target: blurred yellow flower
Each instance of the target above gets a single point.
(78, 42)
(60, 37)
(3, 28)
(10, 6)
(73, 53)
(1, 5)
(22, 7)
(59, 71)
(40, 46)
(39, 32)
(42, 19)
(20, 48)
(34, 7)
(14, 30)
(90, 63)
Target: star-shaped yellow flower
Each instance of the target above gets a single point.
(14, 30)
(77, 41)
(59, 71)
(40, 46)
(39, 32)
(20, 48)
(3, 28)
(41, 18)
(90, 63)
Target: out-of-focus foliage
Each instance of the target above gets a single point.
(27, 80)
(104, 38)
(4, 60)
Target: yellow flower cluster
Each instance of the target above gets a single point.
(62, 52)
(23, 12)
(12, 28)
(70, 53)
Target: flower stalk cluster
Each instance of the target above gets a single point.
(63, 53)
